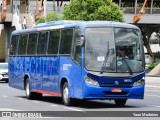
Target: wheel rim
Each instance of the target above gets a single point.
(27, 89)
(65, 94)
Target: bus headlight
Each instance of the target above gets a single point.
(90, 81)
(139, 82)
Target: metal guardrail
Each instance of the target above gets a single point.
(156, 11)
(128, 10)
(132, 10)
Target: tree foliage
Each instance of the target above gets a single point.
(52, 16)
(147, 31)
(93, 10)
(41, 19)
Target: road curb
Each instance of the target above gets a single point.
(152, 75)
(152, 86)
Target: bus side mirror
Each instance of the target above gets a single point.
(80, 41)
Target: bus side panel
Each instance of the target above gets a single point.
(72, 72)
(33, 68)
(16, 68)
(76, 76)
(44, 74)
(50, 79)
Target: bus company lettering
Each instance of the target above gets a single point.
(36, 65)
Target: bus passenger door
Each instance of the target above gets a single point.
(77, 72)
(78, 64)
(70, 60)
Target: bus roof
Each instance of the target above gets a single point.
(69, 23)
(56, 23)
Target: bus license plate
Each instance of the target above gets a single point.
(116, 90)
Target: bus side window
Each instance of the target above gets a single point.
(77, 47)
(66, 41)
(42, 41)
(22, 44)
(53, 42)
(14, 43)
(77, 55)
(32, 42)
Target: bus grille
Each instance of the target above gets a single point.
(121, 85)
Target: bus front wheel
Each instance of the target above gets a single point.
(120, 102)
(65, 94)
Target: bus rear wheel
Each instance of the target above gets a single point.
(65, 95)
(31, 95)
(120, 102)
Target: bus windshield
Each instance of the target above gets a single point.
(113, 50)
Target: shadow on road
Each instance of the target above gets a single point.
(89, 104)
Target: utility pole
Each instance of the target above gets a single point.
(45, 7)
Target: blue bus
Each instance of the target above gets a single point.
(79, 60)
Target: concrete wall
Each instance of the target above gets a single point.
(2, 43)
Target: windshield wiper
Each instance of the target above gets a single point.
(104, 63)
(129, 68)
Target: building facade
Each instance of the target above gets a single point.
(13, 11)
(132, 8)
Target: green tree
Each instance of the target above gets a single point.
(93, 10)
(52, 16)
(41, 19)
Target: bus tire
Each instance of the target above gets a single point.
(65, 95)
(120, 102)
(31, 95)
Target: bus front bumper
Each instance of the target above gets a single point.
(95, 92)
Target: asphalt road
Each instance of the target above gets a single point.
(12, 99)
